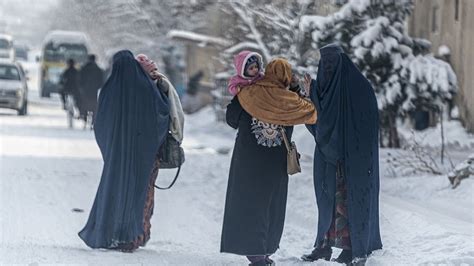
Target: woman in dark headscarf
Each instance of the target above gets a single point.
(130, 126)
(258, 180)
(346, 159)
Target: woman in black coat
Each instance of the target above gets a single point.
(258, 180)
(257, 188)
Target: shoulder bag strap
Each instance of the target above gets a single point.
(172, 183)
(285, 139)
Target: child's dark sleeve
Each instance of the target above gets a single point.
(299, 90)
(296, 89)
(233, 112)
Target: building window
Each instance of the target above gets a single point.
(456, 10)
(434, 21)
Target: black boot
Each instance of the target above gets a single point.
(318, 253)
(261, 263)
(270, 262)
(266, 261)
(345, 256)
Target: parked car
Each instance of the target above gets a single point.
(13, 87)
(21, 52)
(6, 48)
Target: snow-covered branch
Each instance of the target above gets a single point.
(245, 17)
(461, 171)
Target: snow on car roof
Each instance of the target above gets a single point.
(6, 36)
(73, 37)
(6, 62)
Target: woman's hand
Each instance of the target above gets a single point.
(162, 85)
(294, 81)
(307, 83)
(155, 75)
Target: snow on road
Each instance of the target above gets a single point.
(47, 170)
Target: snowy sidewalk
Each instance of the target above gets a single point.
(47, 170)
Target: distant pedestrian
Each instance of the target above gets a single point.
(194, 83)
(91, 79)
(69, 82)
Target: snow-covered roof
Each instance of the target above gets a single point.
(197, 37)
(59, 36)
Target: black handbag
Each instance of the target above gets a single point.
(171, 156)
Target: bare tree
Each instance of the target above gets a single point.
(138, 25)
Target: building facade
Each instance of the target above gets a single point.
(450, 23)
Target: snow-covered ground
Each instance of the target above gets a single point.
(455, 136)
(46, 170)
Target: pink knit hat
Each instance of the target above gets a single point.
(147, 64)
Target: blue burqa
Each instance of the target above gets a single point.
(346, 134)
(130, 126)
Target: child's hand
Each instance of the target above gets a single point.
(238, 89)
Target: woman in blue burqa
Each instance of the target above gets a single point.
(346, 159)
(130, 126)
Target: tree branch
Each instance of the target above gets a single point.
(248, 20)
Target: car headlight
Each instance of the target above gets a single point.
(11, 93)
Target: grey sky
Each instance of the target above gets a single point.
(26, 20)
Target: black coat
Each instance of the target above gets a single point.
(91, 79)
(194, 81)
(70, 81)
(257, 190)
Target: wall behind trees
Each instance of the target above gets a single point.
(451, 23)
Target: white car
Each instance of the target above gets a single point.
(13, 87)
(7, 51)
